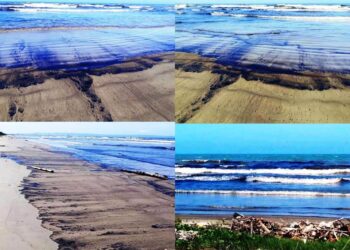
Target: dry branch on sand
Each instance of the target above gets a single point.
(302, 230)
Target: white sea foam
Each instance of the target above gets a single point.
(292, 18)
(180, 6)
(265, 193)
(140, 140)
(277, 171)
(49, 5)
(286, 7)
(307, 181)
(96, 6)
(196, 161)
(70, 10)
(318, 8)
(211, 178)
(139, 7)
(56, 7)
(227, 6)
(308, 18)
(218, 13)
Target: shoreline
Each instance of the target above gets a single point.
(96, 209)
(256, 69)
(140, 88)
(209, 92)
(20, 227)
(116, 169)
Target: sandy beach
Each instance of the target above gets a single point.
(138, 89)
(213, 93)
(86, 207)
(19, 226)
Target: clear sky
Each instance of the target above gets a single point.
(113, 128)
(262, 139)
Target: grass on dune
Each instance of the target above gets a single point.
(223, 239)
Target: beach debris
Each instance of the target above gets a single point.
(155, 175)
(253, 225)
(186, 235)
(300, 230)
(43, 169)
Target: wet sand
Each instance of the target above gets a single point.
(89, 208)
(207, 92)
(138, 89)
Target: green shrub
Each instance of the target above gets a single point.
(215, 237)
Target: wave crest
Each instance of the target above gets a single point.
(307, 181)
(277, 171)
(265, 193)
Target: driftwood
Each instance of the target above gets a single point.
(43, 169)
(302, 230)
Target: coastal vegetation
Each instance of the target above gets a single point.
(216, 237)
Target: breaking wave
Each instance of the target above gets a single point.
(60, 7)
(277, 171)
(265, 193)
(211, 178)
(285, 7)
(285, 17)
(307, 181)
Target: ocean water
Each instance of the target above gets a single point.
(57, 35)
(275, 38)
(153, 155)
(302, 185)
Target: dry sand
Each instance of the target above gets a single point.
(141, 89)
(210, 93)
(54, 100)
(89, 208)
(19, 226)
(145, 96)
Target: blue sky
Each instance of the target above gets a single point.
(262, 139)
(113, 128)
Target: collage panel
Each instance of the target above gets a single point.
(87, 186)
(262, 62)
(96, 94)
(241, 186)
(83, 60)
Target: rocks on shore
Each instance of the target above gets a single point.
(302, 230)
